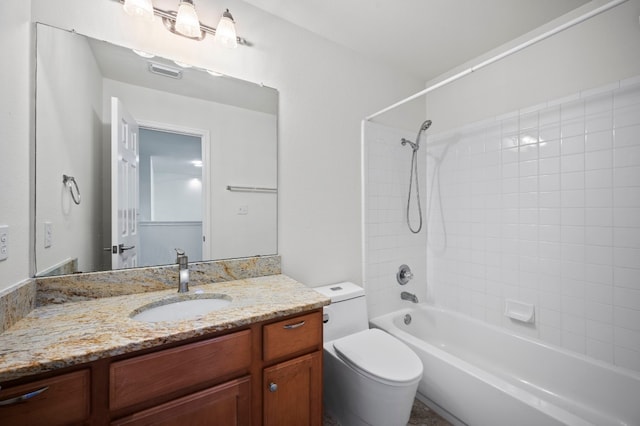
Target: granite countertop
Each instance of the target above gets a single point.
(62, 335)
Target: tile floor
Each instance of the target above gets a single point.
(421, 415)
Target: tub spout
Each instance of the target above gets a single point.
(405, 295)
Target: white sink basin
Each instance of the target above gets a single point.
(181, 307)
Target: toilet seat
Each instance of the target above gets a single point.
(380, 356)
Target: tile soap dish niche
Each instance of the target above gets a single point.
(520, 311)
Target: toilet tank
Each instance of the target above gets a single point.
(347, 313)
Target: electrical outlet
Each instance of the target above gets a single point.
(242, 210)
(48, 234)
(4, 242)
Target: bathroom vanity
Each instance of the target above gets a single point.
(257, 361)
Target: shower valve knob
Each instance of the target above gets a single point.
(404, 274)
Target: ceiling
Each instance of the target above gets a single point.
(424, 38)
(121, 64)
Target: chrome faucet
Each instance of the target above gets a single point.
(405, 295)
(183, 271)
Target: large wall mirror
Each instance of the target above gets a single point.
(137, 156)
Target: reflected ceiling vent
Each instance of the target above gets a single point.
(165, 70)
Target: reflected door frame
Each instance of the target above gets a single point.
(206, 172)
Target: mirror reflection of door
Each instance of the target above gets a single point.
(171, 196)
(125, 236)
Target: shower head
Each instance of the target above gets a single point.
(423, 127)
(416, 146)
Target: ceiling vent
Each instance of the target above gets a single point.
(165, 70)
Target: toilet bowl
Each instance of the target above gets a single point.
(370, 377)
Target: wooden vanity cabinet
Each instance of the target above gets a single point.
(268, 373)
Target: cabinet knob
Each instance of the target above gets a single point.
(273, 387)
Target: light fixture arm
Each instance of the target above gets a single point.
(169, 21)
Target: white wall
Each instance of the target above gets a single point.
(67, 137)
(324, 90)
(176, 197)
(541, 201)
(15, 138)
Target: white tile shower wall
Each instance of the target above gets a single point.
(388, 241)
(543, 206)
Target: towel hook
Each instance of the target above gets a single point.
(70, 181)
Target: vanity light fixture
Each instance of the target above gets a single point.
(140, 8)
(185, 21)
(226, 31)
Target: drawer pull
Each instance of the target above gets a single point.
(22, 398)
(273, 387)
(292, 326)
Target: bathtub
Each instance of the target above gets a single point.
(478, 374)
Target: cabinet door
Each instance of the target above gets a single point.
(293, 392)
(228, 404)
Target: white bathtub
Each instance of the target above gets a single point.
(484, 375)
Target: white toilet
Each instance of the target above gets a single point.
(370, 377)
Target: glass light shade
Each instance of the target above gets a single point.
(140, 8)
(187, 22)
(226, 31)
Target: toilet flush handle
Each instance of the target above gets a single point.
(273, 387)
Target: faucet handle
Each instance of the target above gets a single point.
(182, 258)
(404, 274)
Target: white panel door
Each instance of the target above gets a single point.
(125, 174)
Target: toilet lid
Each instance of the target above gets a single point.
(380, 355)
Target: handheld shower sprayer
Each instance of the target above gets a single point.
(416, 146)
(414, 172)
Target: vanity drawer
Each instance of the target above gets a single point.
(225, 404)
(292, 336)
(145, 377)
(65, 401)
